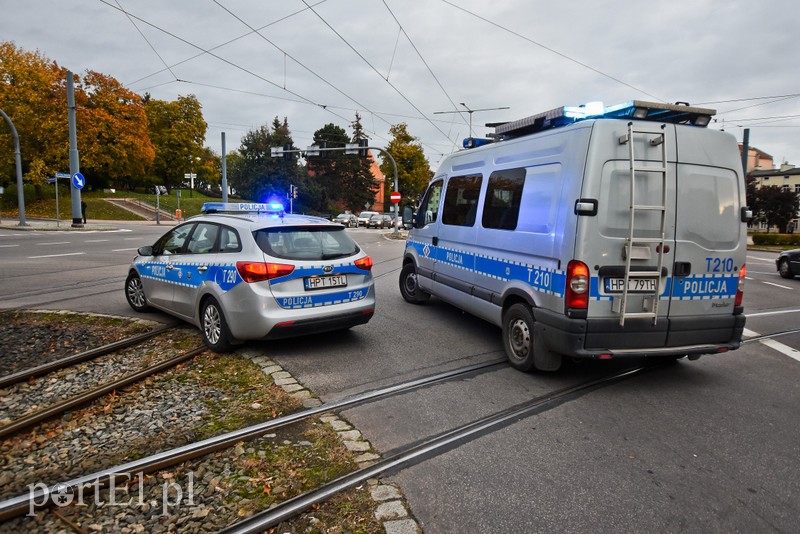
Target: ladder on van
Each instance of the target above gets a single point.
(637, 245)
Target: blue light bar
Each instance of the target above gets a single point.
(242, 207)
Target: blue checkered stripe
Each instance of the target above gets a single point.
(187, 274)
(705, 287)
(545, 280)
(315, 300)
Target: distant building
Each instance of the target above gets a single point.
(760, 166)
(757, 159)
(380, 181)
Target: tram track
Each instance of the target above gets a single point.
(413, 454)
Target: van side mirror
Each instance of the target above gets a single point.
(408, 217)
(747, 214)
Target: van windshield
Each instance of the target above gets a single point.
(306, 243)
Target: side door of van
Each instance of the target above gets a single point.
(426, 233)
(454, 270)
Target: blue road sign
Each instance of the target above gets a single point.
(78, 181)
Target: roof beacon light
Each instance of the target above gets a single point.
(242, 207)
(678, 113)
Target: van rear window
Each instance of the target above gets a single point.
(306, 243)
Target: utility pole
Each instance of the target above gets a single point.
(224, 171)
(74, 165)
(18, 162)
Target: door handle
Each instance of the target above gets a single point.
(435, 241)
(202, 268)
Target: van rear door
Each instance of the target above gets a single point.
(710, 246)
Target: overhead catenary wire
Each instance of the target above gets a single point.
(552, 50)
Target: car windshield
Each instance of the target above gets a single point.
(306, 243)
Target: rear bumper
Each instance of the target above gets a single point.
(318, 325)
(591, 338)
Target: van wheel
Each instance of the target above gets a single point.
(214, 328)
(784, 269)
(409, 285)
(525, 349)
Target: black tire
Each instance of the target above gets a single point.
(785, 270)
(409, 285)
(525, 350)
(134, 293)
(214, 327)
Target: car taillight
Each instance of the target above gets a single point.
(577, 285)
(255, 271)
(364, 263)
(740, 287)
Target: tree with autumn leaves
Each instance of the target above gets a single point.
(123, 139)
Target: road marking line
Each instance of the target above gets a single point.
(778, 285)
(56, 255)
(96, 240)
(775, 345)
(8, 246)
(55, 243)
(760, 259)
(760, 314)
(124, 249)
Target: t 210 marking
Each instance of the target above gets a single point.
(720, 265)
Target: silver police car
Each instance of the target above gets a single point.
(244, 271)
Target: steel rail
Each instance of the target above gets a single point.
(25, 374)
(82, 398)
(429, 448)
(761, 337)
(21, 504)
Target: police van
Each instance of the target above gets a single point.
(590, 232)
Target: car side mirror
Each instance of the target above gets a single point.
(408, 217)
(145, 251)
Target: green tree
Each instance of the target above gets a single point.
(257, 175)
(778, 206)
(177, 130)
(413, 169)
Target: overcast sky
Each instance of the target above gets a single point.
(318, 61)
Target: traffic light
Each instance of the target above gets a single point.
(286, 154)
(363, 152)
(294, 191)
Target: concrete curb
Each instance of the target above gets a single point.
(391, 509)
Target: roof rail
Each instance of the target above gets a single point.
(678, 113)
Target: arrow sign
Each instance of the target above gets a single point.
(78, 181)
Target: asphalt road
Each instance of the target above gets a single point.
(703, 446)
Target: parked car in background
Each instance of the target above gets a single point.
(364, 216)
(788, 263)
(347, 219)
(380, 221)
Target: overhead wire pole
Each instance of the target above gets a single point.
(470, 111)
(18, 162)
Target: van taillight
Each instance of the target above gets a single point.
(740, 287)
(577, 285)
(255, 271)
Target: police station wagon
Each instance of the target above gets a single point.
(245, 271)
(590, 232)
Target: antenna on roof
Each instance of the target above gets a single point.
(470, 111)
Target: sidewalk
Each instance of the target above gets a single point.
(51, 225)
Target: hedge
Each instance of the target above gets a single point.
(776, 239)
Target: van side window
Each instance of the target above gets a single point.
(461, 200)
(429, 207)
(503, 197)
